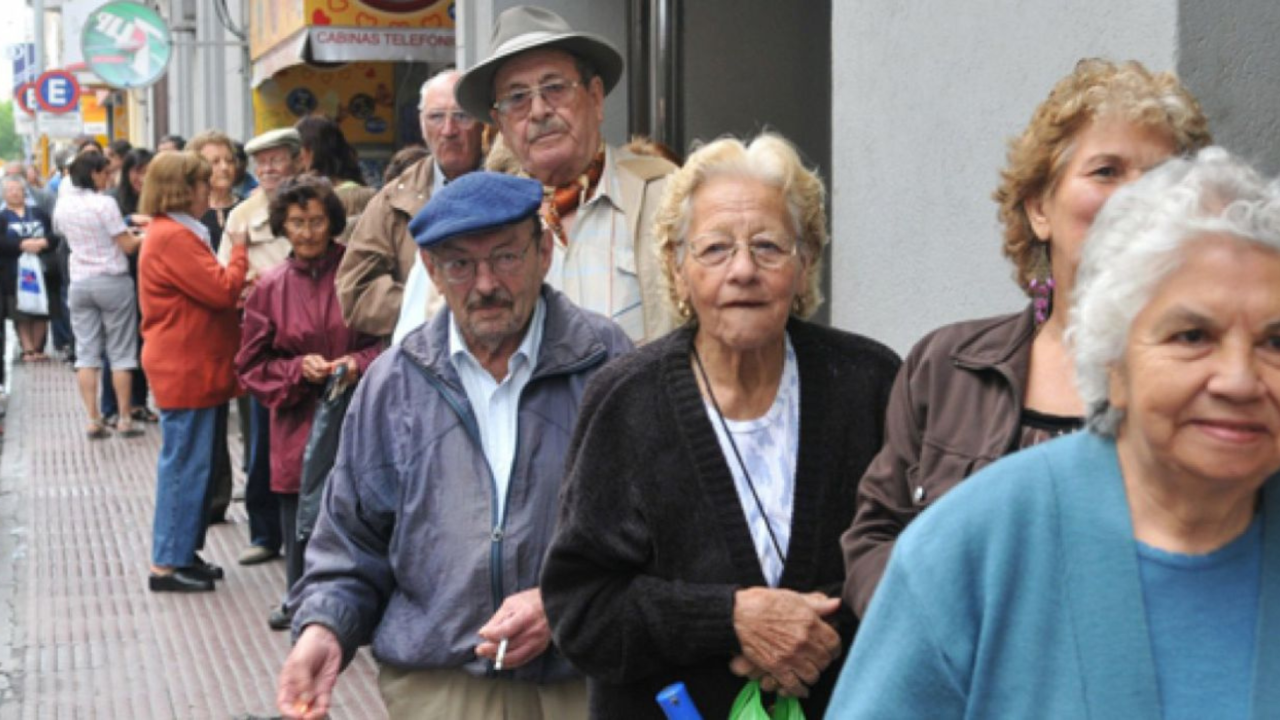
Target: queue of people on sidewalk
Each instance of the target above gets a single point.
(595, 447)
(527, 519)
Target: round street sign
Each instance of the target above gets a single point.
(25, 95)
(126, 44)
(57, 92)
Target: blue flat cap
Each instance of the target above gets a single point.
(475, 203)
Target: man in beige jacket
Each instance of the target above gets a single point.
(544, 86)
(381, 252)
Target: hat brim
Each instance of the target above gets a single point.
(474, 90)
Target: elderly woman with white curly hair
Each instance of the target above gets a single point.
(714, 469)
(1133, 570)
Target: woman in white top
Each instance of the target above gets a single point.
(102, 302)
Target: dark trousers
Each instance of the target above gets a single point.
(220, 482)
(138, 391)
(294, 550)
(60, 319)
(260, 503)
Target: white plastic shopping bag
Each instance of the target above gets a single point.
(32, 298)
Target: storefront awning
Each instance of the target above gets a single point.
(328, 45)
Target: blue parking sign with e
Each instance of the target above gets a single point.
(57, 92)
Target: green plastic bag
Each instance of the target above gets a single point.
(749, 706)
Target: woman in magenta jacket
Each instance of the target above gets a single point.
(294, 338)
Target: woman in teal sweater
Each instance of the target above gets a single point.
(1132, 571)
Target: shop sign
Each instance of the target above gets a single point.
(126, 44)
(342, 44)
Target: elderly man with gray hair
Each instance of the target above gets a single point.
(381, 252)
(444, 493)
(544, 86)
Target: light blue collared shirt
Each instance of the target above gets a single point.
(496, 404)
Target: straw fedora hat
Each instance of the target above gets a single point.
(524, 28)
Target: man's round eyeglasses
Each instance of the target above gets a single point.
(504, 263)
(517, 103)
(437, 118)
(768, 253)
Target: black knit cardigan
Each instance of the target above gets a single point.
(652, 542)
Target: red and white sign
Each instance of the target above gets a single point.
(57, 91)
(25, 95)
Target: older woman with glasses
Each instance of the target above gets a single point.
(1131, 570)
(294, 339)
(712, 469)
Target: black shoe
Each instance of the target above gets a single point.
(202, 569)
(280, 618)
(180, 580)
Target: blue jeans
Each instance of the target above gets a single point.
(182, 483)
(260, 503)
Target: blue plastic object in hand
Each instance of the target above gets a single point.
(677, 704)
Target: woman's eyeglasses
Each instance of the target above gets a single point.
(768, 253)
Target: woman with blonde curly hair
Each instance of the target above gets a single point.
(975, 391)
(714, 469)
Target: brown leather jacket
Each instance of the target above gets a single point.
(380, 253)
(955, 408)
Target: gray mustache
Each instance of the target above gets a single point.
(548, 126)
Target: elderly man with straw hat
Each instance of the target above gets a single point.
(544, 86)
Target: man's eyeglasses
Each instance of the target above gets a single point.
(768, 252)
(504, 263)
(273, 161)
(437, 118)
(315, 224)
(518, 102)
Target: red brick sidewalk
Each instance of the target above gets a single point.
(80, 635)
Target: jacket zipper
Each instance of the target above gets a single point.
(496, 523)
(500, 523)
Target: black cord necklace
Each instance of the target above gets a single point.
(777, 547)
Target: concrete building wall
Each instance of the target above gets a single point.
(208, 78)
(924, 98)
(607, 18)
(1231, 61)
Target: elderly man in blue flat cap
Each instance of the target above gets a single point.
(443, 497)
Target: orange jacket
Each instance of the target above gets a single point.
(190, 323)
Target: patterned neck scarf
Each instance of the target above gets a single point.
(565, 199)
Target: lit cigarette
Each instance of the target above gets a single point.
(502, 653)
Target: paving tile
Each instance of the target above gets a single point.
(84, 637)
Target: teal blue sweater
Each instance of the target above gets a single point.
(1018, 595)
